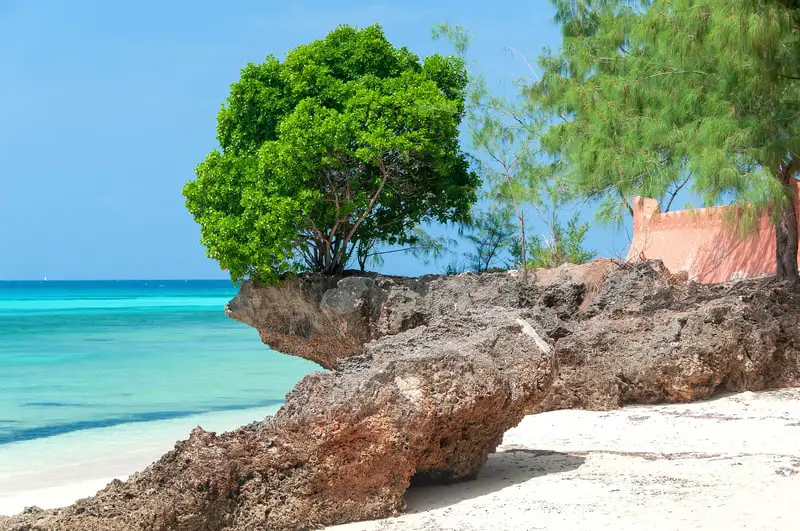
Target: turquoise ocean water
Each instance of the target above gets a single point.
(86, 354)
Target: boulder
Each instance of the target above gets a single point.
(425, 406)
(325, 319)
(329, 319)
(650, 337)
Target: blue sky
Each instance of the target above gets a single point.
(108, 107)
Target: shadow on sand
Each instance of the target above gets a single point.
(503, 469)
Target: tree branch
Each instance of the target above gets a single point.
(626, 201)
(673, 73)
(675, 193)
(527, 63)
(373, 200)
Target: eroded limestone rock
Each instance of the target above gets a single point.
(427, 405)
(327, 320)
(649, 337)
(427, 376)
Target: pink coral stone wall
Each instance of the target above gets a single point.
(701, 244)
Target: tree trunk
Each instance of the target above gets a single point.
(786, 230)
(523, 242)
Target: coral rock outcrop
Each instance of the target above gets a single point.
(427, 374)
(649, 337)
(426, 405)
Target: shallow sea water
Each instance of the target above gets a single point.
(91, 354)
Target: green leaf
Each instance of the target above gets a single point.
(348, 140)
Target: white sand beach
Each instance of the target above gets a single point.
(56, 471)
(731, 463)
(727, 464)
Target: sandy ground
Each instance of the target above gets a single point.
(56, 471)
(728, 464)
(731, 463)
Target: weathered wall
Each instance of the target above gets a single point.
(700, 243)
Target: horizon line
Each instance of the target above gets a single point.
(108, 279)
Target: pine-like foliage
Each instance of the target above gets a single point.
(491, 233)
(645, 95)
(505, 132)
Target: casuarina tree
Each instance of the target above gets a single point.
(644, 96)
(348, 140)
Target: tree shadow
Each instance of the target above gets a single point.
(503, 469)
(730, 256)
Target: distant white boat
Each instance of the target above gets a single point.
(45, 277)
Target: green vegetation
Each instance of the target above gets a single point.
(347, 143)
(424, 248)
(564, 246)
(521, 182)
(345, 148)
(490, 233)
(646, 96)
(495, 242)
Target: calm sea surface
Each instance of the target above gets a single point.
(86, 354)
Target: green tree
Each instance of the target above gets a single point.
(565, 244)
(348, 140)
(644, 96)
(506, 132)
(491, 233)
(425, 247)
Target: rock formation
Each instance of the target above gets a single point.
(623, 333)
(649, 337)
(325, 319)
(328, 320)
(426, 405)
(427, 374)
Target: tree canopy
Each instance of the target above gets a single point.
(347, 140)
(505, 132)
(646, 96)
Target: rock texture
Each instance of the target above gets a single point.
(427, 375)
(326, 319)
(426, 405)
(649, 337)
(623, 333)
